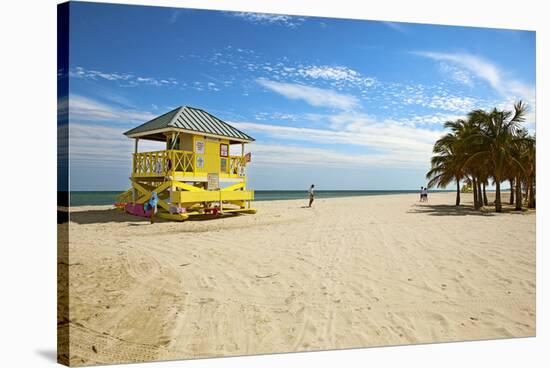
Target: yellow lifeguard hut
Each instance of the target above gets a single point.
(195, 174)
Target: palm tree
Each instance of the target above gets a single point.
(487, 147)
(530, 171)
(474, 169)
(446, 165)
(496, 130)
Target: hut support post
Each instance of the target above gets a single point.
(136, 143)
(175, 138)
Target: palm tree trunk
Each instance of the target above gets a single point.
(498, 203)
(479, 195)
(511, 191)
(485, 201)
(474, 189)
(531, 198)
(457, 191)
(519, 198)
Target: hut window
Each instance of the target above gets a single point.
(224, 150)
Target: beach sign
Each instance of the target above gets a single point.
(199, 146)
(213, 182)
(200, 162)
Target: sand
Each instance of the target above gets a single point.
(349, 272)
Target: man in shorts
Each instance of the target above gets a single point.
(311, 193)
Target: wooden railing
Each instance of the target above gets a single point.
(173, 162)
(181, 161)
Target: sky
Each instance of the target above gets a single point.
(345, 104)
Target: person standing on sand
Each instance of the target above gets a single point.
(425, 193)
(421, 193)
(311, 193)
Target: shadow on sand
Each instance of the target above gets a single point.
(462, 210)
(106, 216)
(448, 210)
(114, 215)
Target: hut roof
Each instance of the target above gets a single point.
(187, 119)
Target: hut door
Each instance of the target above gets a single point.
(212, 156)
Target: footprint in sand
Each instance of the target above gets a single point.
(290, 298)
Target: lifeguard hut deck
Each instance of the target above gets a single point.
(195, 174)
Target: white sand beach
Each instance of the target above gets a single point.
(347, 273)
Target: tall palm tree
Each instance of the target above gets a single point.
(525, 159)
(446, 165)
(474, 168)
(497, 129)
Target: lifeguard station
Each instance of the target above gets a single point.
(195, 174)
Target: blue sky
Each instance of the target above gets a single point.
(344, 104)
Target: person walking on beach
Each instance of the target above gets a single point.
(421, 194)
(425, 194)
(311, 193)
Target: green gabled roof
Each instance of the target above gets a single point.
(190, 119)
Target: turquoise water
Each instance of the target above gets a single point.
(102, 198)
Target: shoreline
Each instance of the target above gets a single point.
(305, 199)
(466, 200)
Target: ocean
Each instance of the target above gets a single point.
(88, 198)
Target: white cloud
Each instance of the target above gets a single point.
(485, 70)
(124, 79)
(442, 101)
(294, 155)
(264, 18)
(337, 74)
(329, 72)
(386, 140)
(312, 95)
(94, 145)
(87, 109)
(451, 103)
(509, 88)
(437, 119)
(457, 74)
(396, 26)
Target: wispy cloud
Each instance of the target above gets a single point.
(312, 95)
(484, 70)
(264, 18)
(435, 119)
(295, 155)
(510, 89)
(336, 73)
(329, 72)
(87, 109)
(456, 74)
(174, 16)
(387, 140)
(451, 103)
(399, 27)
(94, 145)
(124, 79)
